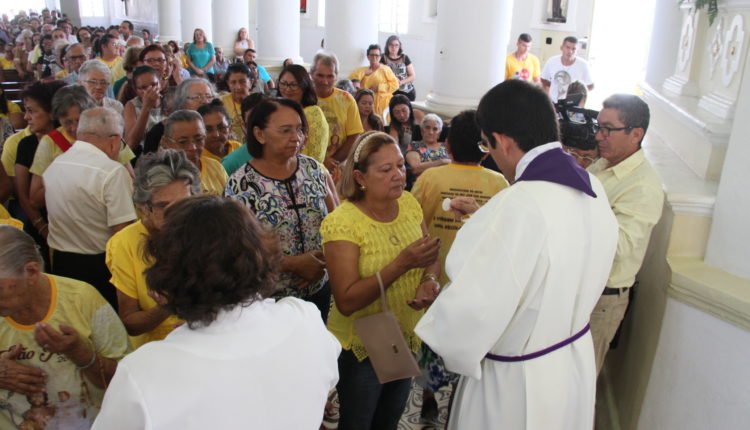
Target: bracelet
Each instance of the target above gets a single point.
(90, 363)
(428, 277)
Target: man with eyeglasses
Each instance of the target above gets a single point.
(75, 56)
(526, 271)
(184, 130)
(635, 193)
(88, 197)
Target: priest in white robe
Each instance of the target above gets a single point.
(526, 271)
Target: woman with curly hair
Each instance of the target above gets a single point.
(237, 358)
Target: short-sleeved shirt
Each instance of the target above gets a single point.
(231, 145)
(235, 160)
(26, 150)
(86, 194)
(201, 56)
(316, 143)
(527, 69)
(70, 400)
(236, 123)
(12, 108)
(127, 263)
(48, 151)
(213, 176)
(426, 153)
(10, 150)
(292, 208)
(398, 66)
(263, 74)
(451, 181)
(561, 76)
(379, 244)
(342, 115)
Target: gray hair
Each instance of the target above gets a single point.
(182, 115)
(100, 121)
(181, 94)
(16, 250)
(70, 96)
(135, 41)
(97, 65)
(70, 48)
(327, 59)
(434, 118)
(159, 169)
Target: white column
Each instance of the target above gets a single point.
(730, 231)
(470, 58)
(252, 8)
(351, 26)
(228, 17)
(169, 21)
(278, 31)
(196, 14)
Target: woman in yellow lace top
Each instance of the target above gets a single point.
(379, 229)
(295, 84)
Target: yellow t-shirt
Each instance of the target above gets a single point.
(379, 243)
(234, 110)
(213, 176)
(527, 69)
(317, 134)
(115, 66)
(10, 151)
(12, 108)
(126, 262)
(233, 144)
(47, 151)
(6, 64)
(342, 115)
(70, 400)
(450, 181)
(61, 74)
(385, 81)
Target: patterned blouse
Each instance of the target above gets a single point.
(292, 208)
(426, 154)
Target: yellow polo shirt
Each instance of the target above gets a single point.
(635, 193)
(213, 176)
(10, 151)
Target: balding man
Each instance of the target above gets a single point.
(88, 197)
(184, 131)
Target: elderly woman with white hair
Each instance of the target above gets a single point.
(161, 179)
(96, 77)
(60, 339)
(428, 152)
(189, 95)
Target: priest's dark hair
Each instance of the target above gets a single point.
(521, 111)
(463, 137)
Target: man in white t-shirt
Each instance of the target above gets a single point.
(562, 70)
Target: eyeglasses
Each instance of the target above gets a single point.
(606, 131)
(373, 55)
(220, 128)
(290, 131)
(77, 58)
(578, 156)
(155, 61)
(196, 141)
(95, 83)
(483, 146)
(206, 97)
(157, 207)
(290, 85)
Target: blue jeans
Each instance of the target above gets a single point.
(364, 402)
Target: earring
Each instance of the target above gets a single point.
(362, 187)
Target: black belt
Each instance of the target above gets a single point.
(613, 291)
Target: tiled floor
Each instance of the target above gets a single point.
(410, 420)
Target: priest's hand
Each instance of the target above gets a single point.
(463, 206)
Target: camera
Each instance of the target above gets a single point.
(576, 123)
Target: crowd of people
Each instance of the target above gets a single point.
(187, 239)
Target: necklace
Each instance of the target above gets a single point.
(395, 241)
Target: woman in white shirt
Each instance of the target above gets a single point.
(242, 44)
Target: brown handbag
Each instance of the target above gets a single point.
(382, 338)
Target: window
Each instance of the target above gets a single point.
(91, 8)
(321, 13)
(393, 16)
